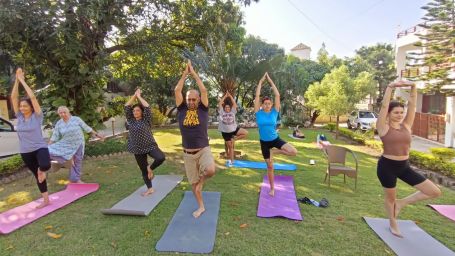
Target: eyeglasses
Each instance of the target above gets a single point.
(191, 99)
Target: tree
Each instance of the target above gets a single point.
(338, 93)
(438, 43)
(237, 70)
(378, 60)
(325, 59)
(68, 44)
(293, 77)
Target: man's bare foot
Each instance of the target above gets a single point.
(43, 204)
(148, 192)
(198, 212)
(272, 192)
(150, 173)
(79, 182)
(397, 207)
(41, 176)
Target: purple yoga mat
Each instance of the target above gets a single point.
(25, 214)
(446, 210)
(283, 204)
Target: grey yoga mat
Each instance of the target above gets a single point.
(188, 234)
(136, 204)
(415, 241)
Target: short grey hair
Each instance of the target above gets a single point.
(63, 108)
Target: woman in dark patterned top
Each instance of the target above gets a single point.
(140, 140)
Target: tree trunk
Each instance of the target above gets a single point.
(336, 131)
(314, 116)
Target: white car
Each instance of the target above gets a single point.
(9, 140)
(362, 119)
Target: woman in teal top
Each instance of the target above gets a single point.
(266, 119)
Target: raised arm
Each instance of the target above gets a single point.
(276, 92)
(178, 88)
(15, 95)
(131, 100)
(30, 94)
(410, 114)
(257, 100)
(234, 104)
(202, 89)
(143, 102)
(381, 123)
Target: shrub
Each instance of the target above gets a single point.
(430, 162)
(157, 117)
(330, 126)
(106, 147)
(11, 164)
(446, 154)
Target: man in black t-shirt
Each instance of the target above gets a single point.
(193, 115)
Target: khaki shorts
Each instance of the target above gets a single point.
(196, 164)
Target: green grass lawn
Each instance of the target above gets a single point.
(337, 230)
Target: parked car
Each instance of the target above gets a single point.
(8, 138)
(362, 119)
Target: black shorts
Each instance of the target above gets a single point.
(267, 145)
(389, 170)
(227, 136)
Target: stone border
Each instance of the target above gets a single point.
(23, 172)
(437, 177)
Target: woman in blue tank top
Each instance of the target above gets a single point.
(266, 119)
(33, 147)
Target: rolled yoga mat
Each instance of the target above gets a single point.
(25, 214)
(261, 165)
(190, 235)
(136, 204)
(446, 210)
(283, 204)
(415, 241)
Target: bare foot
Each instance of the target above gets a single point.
(272, 192)
(198, 212)
(79, 182)
(41, 176)
(150, 173)
(148, 192)
(397, 207)
(43, 204)
(394, 228)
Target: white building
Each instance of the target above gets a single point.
(301, 51)
(435, 118)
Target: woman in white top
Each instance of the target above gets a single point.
(228, 125)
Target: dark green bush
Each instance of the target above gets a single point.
(331, 126)
(106, 147)
(11, 164)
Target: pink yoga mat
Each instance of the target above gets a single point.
(25, 214)
(283, 204)
(446, 210)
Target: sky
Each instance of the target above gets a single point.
(343, 25)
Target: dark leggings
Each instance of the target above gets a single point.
(389, 170)
(141, 160)
(38, 159)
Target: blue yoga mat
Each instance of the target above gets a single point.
(188, 234)
(262, 165)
